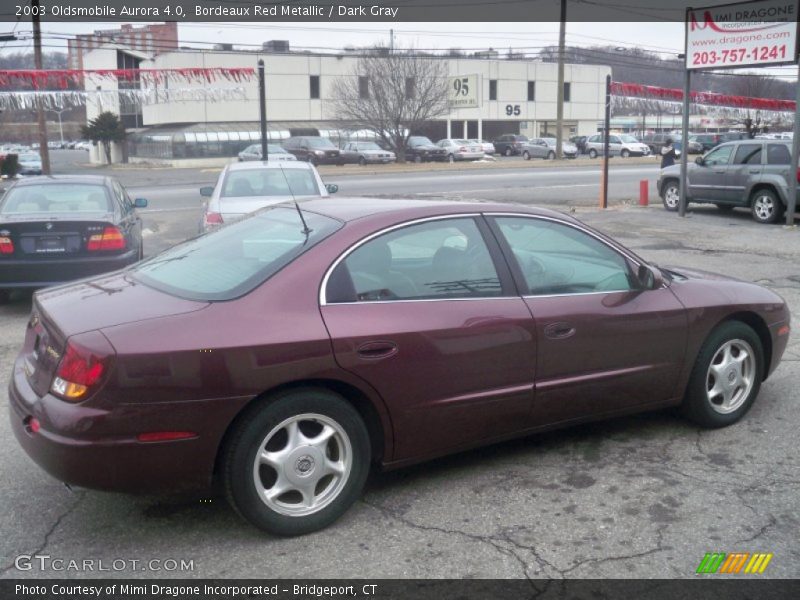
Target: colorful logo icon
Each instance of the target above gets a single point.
(734, 562)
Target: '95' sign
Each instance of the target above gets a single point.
(463, 92)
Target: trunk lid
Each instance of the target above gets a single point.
(37, 238)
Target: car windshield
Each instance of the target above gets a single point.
(269, 182)
(321, 143)
(368, 146)
(30, 157)
(235, 259)
(629, 139)
(56, 198)
(419, 141)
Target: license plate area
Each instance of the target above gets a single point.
(50, 243)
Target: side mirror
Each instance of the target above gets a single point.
(332, 188)
(140, 202)
(700, 161)
(207, 191)
(650, 278)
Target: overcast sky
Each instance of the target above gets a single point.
(666, 38)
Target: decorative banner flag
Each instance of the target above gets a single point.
(61, 78)
(111, 99)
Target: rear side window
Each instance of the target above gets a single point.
(57, 198)
(748, 154)
(230, 262)
(778, 154)
(269, 182)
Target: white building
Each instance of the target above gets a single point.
(504, 96)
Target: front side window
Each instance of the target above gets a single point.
(440, 259)
(559, 259)
(718, 156)
(313, 82)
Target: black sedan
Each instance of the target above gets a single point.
(61, 228)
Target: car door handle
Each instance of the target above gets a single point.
(375, 350)
(559, 331)
(755, 171)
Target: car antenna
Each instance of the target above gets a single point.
(306, 230)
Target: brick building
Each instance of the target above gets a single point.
(148, 39)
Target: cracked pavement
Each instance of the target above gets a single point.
(642, 496)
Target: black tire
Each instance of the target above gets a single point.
(526, 155)
(625, 153)
(765, 206)
(696, 403)
(592, 153)
(250, 433)
(508, 151)
(551, 155)
(362, 161)
(313, 161)
(417, 159)
(451, 159)
(670, 195)
(5, 296)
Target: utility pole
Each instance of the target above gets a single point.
(262, 94)
(560, 98)
(44, 151)
(391, 41)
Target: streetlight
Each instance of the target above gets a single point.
(60, 127)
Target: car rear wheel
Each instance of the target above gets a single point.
(592, 153)
(297, 461)
(508, 151)
(671, 195)
(417, 159)
(625, 153)
(451, 158)
(726, 377)
(526, 155)
(362, 161)
(313, 161)
(766, 207)
(551, 155)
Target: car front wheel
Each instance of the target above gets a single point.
(726, 377)
(508, 152)
(297, 461)
(362, 161)
(451, 158)
(625, 153)
(551, 155)
(766, 206)
(526, 155)
(592, 153)
(417, 159)
(671, 195)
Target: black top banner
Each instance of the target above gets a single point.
(320, 11)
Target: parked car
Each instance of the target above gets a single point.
(580, 142)
(656, 141)
(243, 187)
(546, 148)
(83, 145)
(62, 228)
(366, 153)
(421, 149)
(749, 173)
(488, 147)
(510, 144)
(623, 145)
(284, 355)
(276, 153)
(313, 149)
(457, 150)
(30, 163)
(707, 140)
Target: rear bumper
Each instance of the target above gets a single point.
(74, 444)
(37, 273)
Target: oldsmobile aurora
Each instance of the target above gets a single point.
(286, 353)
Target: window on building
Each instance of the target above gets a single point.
(410, 87)
(493, 89)
(314, 83)
(531, 91)
(567, 91)
(363, 87)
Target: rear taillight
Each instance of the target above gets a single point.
(6, 245)
(462, 149)
(81, 369)
(212, 218)
(110, 239)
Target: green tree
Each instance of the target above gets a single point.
(106, 128)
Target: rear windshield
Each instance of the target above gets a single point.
(419, 141)
(233, 260)
(56, 198)
(269, 182)
(320, 143)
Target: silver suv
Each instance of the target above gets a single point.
(749, 173)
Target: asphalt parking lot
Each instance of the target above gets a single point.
(644, 496)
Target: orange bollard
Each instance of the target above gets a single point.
(643, 193)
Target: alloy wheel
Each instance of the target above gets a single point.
(672, 197)
(763, 207)
(730, 376)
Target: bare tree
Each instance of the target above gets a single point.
(392, 95)
(756, 86)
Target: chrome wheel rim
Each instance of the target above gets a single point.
(764, 206)
(302, 464)
(671, 196)
(731, 376)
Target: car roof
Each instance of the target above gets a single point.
(268, 164)
(354, 208)
(53, 179)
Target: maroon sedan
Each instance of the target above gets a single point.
(286, 353)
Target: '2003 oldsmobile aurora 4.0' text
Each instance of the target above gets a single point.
(286, 353)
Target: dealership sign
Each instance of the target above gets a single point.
(746, 34)
(463, 92)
